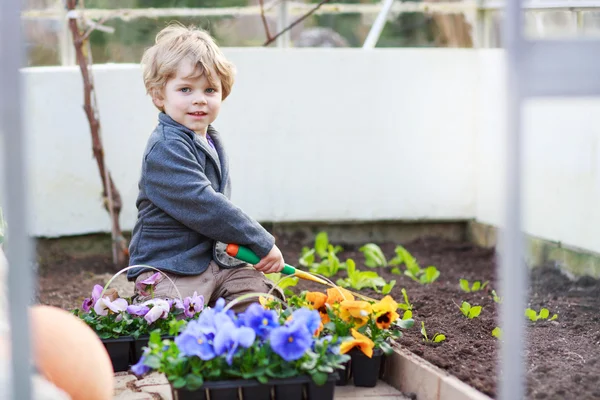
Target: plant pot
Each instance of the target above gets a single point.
(141, 342)
(258, 392)
(297, 388)
(344, 374)
(365, 370)
(323, 392)
(290, 389)
(119, 351)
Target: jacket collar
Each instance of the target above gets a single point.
(218, 157)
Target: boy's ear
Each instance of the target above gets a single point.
(158, 101)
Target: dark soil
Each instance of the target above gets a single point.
(563, 356)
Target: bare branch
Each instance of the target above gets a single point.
(296, 22)
(110, 194)
(264, 19)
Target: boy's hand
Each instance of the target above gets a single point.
(272, 262)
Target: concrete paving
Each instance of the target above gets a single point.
(156, 387)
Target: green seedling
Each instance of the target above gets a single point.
(437, 338)
(469, 311)
(406, 305)
(322, 249)
(497, 333)
(543, 315)
(359, 280)
(413, 270)
(330, 265)
(407, 315)
(475, 287)
(284, 282)
(374, 256)
(496, 298)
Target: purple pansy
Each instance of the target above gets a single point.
(138, 310)
(291, 341)
(88, 303)
(260, 320)
(191, 305)
(146, 286)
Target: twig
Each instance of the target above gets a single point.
(296, 22)
(264, 19)
(111, 195)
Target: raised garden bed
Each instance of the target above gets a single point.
(563, 356)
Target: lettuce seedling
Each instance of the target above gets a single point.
(496, 298)
(544, 314)
(407, 315)
(374, 256)
(364, 279)
(330, 265)
(286, 282)
(406, 305)
(477, 286)
(497, 333)
(322, 249)
(437, 338)
(413, 270)
(469, 311)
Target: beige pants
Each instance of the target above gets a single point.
(213, 284)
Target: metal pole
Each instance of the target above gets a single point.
(375, 32)
(18, 247)
(513, 273)
(283, 41)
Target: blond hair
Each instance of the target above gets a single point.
(176, 43)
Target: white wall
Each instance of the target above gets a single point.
(333, 135)
(312, 135)
(561, 161)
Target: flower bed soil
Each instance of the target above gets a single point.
(563, 356)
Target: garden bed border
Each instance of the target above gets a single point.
(410, 373)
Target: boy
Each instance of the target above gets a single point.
(183, 204)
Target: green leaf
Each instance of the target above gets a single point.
(439, 338)
(406, 323)
(554, 317)
(464, 285)
(476, 286)
(321, 243)
(319, 378)
(396, 271)
(474, 312)
(423, 331)
(497, 333)
(531, 314)
(307, 258)
(407, 315)
(179, 382)
(194, 381)
(431, 274)
(465, 307)
(484, 284)
(544, 313)
(374, 256)
(152, 361)
(387, 288)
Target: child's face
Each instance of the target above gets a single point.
(190, 99)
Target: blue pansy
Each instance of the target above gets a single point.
(229, 337)
(291, 341)
(194, 342)
(310, 318)
(140, 368)
(260, 320)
